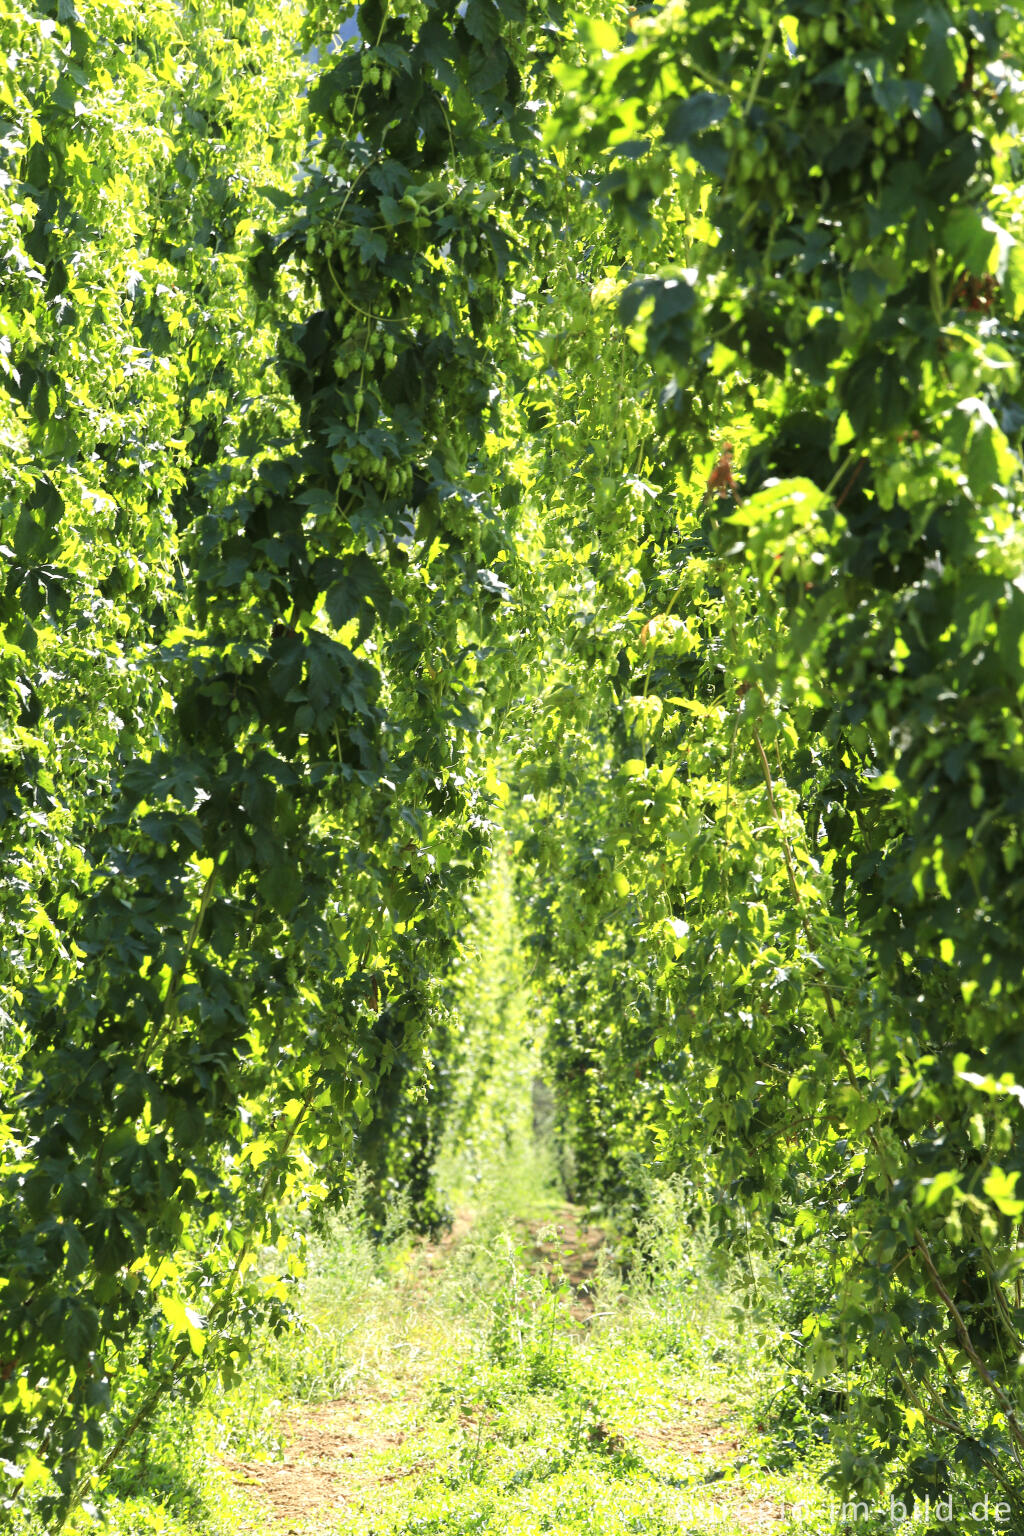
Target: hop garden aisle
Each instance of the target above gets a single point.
(504, 1380)
(527, 1371)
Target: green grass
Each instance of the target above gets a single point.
(461, 1388)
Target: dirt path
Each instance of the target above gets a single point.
(566, 1249)
(334, 1453)
(341, 1460)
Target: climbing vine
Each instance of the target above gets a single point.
(609, 428)
(823, 685)
(248, 925)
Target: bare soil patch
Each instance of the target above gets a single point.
(707, 1431)
(568, 1250)
(332, 1453)
(698, 1453)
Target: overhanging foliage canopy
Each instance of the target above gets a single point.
(621, 412)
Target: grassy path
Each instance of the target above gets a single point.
(503, 1381)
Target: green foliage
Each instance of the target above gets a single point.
(497, 1095)
(617, 433)
(814, 791)
(256, 874)
(131, 342)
